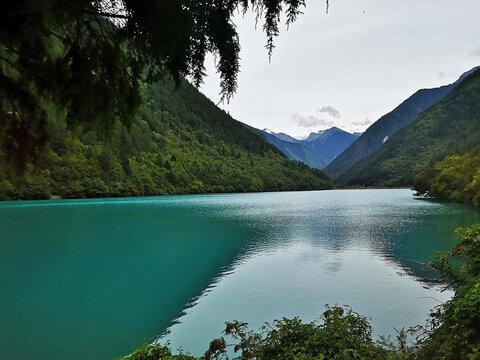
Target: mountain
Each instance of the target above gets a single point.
(281, 136)
(387, 125)
(294, 149)
(329, 143)
(315, 135)
(180, 142)
(450, 126)
(317, 150)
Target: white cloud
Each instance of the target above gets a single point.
(447, 75)
(330, 110)
(309, 121)
(476, 52)
(364, 122)
(363, 64)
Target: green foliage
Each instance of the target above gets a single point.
(156, 352)
(87, 59)
(448, 127)
(454, 331)
(178, 143)
(456, 178)
(56, 58)
(340, 334)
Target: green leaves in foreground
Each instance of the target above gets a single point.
(455, 326)
(156, 352)
(340, 334)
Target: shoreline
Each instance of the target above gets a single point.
(57, 197)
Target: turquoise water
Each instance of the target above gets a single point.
(93, 279)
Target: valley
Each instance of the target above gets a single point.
(148, 211)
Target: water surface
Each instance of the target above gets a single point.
(93, 279)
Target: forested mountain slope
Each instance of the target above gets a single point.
(450, 126)
(180, 142)
(455, 178)
(386, 126)
(295, 150)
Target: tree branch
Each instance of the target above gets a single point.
(107, 15)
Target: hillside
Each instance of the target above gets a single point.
(455, 178)
(450, 126)
(386, 126)
(294, 150)
(180, 142)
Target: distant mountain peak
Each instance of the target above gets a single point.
(281, 135)
(322, 134)
(316, 150)
(315, 135)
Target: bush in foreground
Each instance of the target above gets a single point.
(341, 333)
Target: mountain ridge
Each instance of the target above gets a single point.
(317, 150)
(388, 125)
(450, 126)
(295, 151)
(329, 143)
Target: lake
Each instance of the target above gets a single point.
(95, 278)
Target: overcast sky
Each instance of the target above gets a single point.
(351, 66)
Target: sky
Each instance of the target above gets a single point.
(349, 67)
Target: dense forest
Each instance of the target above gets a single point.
(82, 113)
(456, 178)
(448, 127)
(179, 142)
(90, 58)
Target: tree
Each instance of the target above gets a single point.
(87, 59)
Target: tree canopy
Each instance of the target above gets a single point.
(178, 143)
(86, 60)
